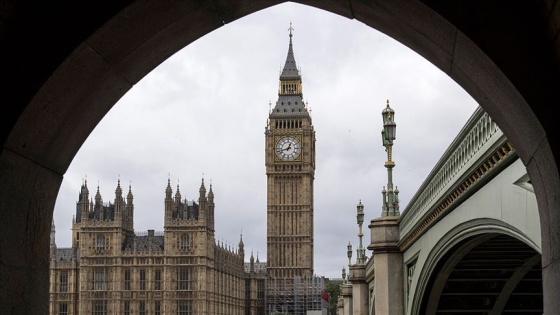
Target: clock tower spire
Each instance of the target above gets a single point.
(290, 170)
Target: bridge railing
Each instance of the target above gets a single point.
(479, 136)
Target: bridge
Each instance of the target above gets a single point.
(467, 242)
(65, 64)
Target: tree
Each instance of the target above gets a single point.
(332, 287)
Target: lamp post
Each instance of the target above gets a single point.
(360, 219)
(388, 135)
(349, 252)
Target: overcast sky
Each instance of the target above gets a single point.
(203, 112)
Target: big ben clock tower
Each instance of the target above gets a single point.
(290, 169)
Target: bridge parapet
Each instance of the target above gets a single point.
(471, 156)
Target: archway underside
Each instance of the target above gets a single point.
(500, 275)
(56, 96)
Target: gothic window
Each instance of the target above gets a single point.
(99, 307)
(99, 279)
(247, 286)
(142, 279)
(126, 307)
(142, 308)
(100, 242)
(184, 278)
(157, 307)
(64, 281)
(260, 290)
(184, 242)
(184, 307)
(127, 279)
(157, 280)
(63, 309)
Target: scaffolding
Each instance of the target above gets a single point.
(294, 296)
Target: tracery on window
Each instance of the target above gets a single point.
(184, 242)
(100, 242)
(99, 279)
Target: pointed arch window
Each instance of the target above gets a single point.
(157, 280)
(184, 242)
(63, 281)
(127, 279)
(100, 242)
(184, 278)
(99, 279)
(142, 279)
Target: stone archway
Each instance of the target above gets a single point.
(59, 96)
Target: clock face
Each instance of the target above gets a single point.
(288, 148)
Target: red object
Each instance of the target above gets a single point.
(324, 295)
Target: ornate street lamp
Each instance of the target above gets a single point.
(360, 219)
(349, 252)
(388, 135)
(389, 127)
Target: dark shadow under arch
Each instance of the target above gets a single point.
(486, 274)
(64, 66)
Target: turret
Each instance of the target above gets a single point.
(129, 209)
(210, 195)
(168, 200)
(91, 208)
(241, 248)
(83, 203)
(210, 209)
(252, 263)
(177, 195)
(119, 202)
(202, 204)
(99, 205)
(202, 191)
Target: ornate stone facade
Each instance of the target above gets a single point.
(290, 168)
(111, 269)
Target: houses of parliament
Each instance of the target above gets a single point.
(113, 269)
